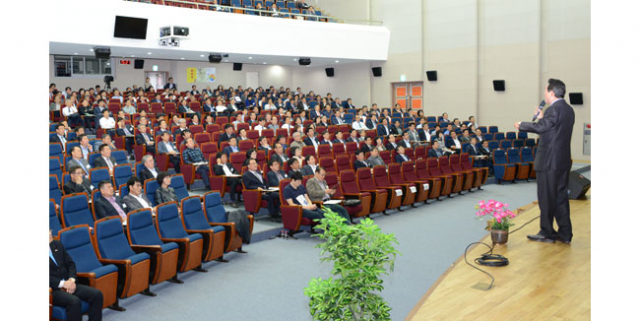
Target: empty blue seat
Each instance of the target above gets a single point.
(511, 135)
(55, 150)
(483, 129)
(75, 210)
(280, 4)
(505, 144)
(150, 187)
(120, 156)
(522, 168)
(494, 144)
(530, 142)
(499, 136)
(139, 168)
(179, 186)
(502, 170)
(493, 129)
(216, 215)
(291, 5)
(54, 189)
(54, 221)
(122, 173)
(55, 167)
(97, 175)
(522, 135)
(487, 136)
(92, 158)
(518, 143)
(196, 222)
(171, 228)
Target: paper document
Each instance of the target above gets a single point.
(425, 186)
(399, 192)
(413, 189)
(329, 202)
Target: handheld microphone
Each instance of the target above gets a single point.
(542, 103)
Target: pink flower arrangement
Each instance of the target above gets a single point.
(498, 212)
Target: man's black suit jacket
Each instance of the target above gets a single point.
(71, 187)
(105, 209)
(65, 267)
(471, 151)
(555, 129)
(140, 138)
(432, 153)
(220, 171)
(224, 137)
(359, 164)
(145, 174)
(168, 86)
(307, 141)
(404, 144)
(391, 147)
(56, 139)
(100, 162)
(250, 181)
(272, 178)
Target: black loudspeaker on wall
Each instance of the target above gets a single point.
(432, 75)
(138, 64)
(237, 66)
(498, 85)
(329, 71)
(575, 98)
(578, 185)
(377, 71)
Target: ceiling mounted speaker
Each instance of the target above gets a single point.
(215, 58)
(377, 71)
(498, 85)
(102, 52)
(304, 61)
(432, 75)
(138, 64)
(329, 71)
(237, 66)
(575, 98)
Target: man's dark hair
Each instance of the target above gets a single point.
(74, 147)
(291, 161)
(368, 138)
(59, 125)
(472, 138)
(296, 176)
(184, 132)
(103, 183)
(227, 126)
(81, 137)
(52, 85)
(74, 168)
(102, 147)
(319, 168)
(166, 133)
(308, 157)
(352, 130)
(359, 151)
(132, 181)
(271, 161)
(557, 86)
(294, 149)
(161, 177)
(219, 155)
(470, 117)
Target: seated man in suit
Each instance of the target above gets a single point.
(149, 169)
(353, 136)
(405, 142)
(136, 199)
(360, 162)
(77, 183)
(297, 140)
(126, 131)
(311, 139)
(228, 133)
(383, 128)
(392, 145)
(105, 159)
(232, 147)
(339, 138)
(296, 194)
(145, 139)
(318, 191)
(396, 129)
(372, 121)
(276, 174)
(375, 159)
(182, 126)
(338, 119)
(279, 154)
(167, 147)
(108, 204)
(453, 143)
(224, 168)
(435, 150)
(465, 136)
(65, 291)
(294, 166)
(311, 165)
(401, 157)
(192, 155)
(59, 137)
(368, 145)
(252, 179)
(78, 160)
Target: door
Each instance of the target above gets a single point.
(253, 80)
(157, 79)
(407, 94)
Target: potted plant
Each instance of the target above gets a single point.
(360, 253)
(500, 219)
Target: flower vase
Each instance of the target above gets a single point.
(499, 236)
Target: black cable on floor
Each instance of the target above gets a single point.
(525, 224)
(477, 268)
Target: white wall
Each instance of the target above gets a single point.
(349, 81)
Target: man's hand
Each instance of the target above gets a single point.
(328, 191)
(541, 114)
(517, 125)
(69, 286)
(310, 207)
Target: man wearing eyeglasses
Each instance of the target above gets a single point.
(77, 184)
(319, 191)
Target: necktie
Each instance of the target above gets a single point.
(258, 176)
(51, 256)
(109, 163)
(83, 168)
(62, 140)
(146, 139)
(279, 176)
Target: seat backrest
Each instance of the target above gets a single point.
(282, 184)
(324, 150)
(380, 176)
(499, 136)
(339, 149)
(454, 162)
(421, 169)
(54, 221)
(518, 143)
(140, 228)
(408, 172)
(179, 186)
(505, 144)
(410, 154)
(443, 163)
(510, 135)
(527, 154)
(110, 238)
(245, 145)
(150, 187)
(333, 183)
(499, 157)
(386, 156)
(351, 147)
(214, 209)
(493, 145)
(465, 161)
(55, 167)
(522, 135)
(432, 166)
(237, 160)
(54, 189)
(328, 164)
(395, 174)
(120, 156)
(192, 214)
(77, 242)
(420, 152)
(122, 173)
(343, 163)
(513, 156)
(75, 210)
(97, 175)
(348, 181)
(365, 180)
(309, 150)
(493, 129)
(55, 150)
(202, 138)
(168, 221)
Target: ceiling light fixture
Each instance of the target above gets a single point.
(337, 61)
(264, 63)
(182, 58)
(250, 58)
(148, 53)
(202, 56)
(75, 53)
(91, 49)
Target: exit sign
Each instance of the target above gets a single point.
(125, 61)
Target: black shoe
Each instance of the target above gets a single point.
(540, 238)
(276, 219)
(564, 241)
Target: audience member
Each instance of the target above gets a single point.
(224, 168)
(136, 199)
(252, 179)
(108, 204)
(165, 193)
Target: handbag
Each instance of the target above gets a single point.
(352, 202)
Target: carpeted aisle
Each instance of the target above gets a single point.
(268, 282)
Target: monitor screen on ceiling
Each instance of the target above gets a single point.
(132, 28)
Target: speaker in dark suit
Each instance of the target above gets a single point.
(553, 163)
(65, 290)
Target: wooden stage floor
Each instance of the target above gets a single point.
(543, 281)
